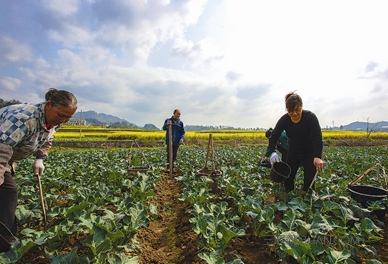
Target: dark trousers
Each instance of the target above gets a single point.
(174, 153)
(306, 161)
(8, 203)
(284, 153)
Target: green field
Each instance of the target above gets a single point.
(96, 209)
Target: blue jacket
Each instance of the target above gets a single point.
(177, 129)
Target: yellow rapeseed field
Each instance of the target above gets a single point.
(98, 133)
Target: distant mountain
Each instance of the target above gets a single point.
(92, 117)
(150, 127)
(99, 119)
(362, 126)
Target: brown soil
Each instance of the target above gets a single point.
(170, 238)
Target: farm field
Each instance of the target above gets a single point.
(99, 213)
(85, 137)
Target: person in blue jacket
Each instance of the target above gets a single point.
(304, 139)
(281, 144)
(178, 134)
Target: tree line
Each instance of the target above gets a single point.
(4, 103)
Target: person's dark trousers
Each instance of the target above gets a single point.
(309, 170)
(284, 153)
(174, 153)
(8, 203)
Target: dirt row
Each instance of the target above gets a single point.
(170, 239)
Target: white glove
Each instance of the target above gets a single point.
(274, 158)
(38, 167)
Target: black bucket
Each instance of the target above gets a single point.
(365, 193)
(280, 171)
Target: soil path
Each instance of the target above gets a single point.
(169, 239)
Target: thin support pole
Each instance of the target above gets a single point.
(170, 148)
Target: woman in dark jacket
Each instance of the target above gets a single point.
(304, 140)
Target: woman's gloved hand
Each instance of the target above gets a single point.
(274, 158)
(38, 167)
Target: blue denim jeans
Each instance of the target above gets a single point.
(8, 203)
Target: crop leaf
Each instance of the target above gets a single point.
(229, 233)
(23, 213)
(289, 219)
(12, 256)
(297, 204)
(199, 225)
(299, 250)
(358, 211)
(211, 258)
(344, 213)
(372, 261)
(98, 243)
(335, 256)
(138, 215)
(26, 245)
(321, 225)
(69, 258)
(235, 261)
(317, 249)
(121, 258)
(368, 226)
(329, 206)
(302, 227)
(281, 206)
(78, 207)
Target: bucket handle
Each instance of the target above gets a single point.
(365, 173)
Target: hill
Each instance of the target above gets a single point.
(92, 117)
(363, 126)
(100, 119)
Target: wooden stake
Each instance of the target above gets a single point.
(212, 150)
(207, 153)
(170, 148)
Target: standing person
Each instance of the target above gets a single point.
(178, 134)
(25, 130)
(281, 144)
(304, 139)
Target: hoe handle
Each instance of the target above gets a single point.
(42, 202)
(362, 175)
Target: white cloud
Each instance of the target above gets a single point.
(220, 62)
(11, 84)
(11, 51)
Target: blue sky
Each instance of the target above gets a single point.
(220, 62)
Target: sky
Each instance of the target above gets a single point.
(221, 62)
